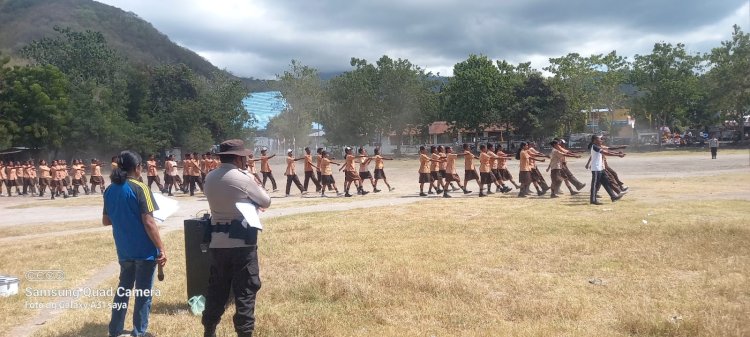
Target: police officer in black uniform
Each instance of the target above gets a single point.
(234, 245)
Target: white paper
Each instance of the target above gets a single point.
(167, 207)
(250, 213)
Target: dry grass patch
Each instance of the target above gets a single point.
(497, 266)
(13, 231)
(90, 200)
(78, 257)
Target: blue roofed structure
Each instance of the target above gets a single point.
(264, 105)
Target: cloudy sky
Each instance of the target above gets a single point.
(258, 38)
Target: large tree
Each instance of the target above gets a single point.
(729, 77)
(303, 91)
(668, 84)
(574, 76)
(470, 99)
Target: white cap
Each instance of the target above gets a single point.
(289, 151)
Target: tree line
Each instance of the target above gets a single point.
(81, 97)
(670, 86)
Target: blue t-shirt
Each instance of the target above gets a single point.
(124, 204)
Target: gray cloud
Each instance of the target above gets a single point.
(259, 38)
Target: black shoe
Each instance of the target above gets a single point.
(482, 195)
(430, 192)
(348, 195)
(581, 187)
(445, 195)
(553, 196)
(619, 196)
(522, 195)
(624, 188)
(439, 191)
(490, 192)
(540, 193)
(365, 192)
(170, 195)
(574, 193)
(376, 190)
(65, 196)
(596, 203)
(422, 194)
(467, 192)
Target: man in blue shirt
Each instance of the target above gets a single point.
(128, 208)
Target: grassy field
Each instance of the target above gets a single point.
(48, 228)
(662, 265)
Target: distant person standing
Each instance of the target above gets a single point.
(713, 143)
(128, 208)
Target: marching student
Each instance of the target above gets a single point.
(59, 180)
(364, 169)
(425, 171)
(450, 171)
(96, 176)
(45, 179)
(77, 171)
(3, 178)
(443, 165)
(309, 173)
(151, 175)
(171, 178)
(485, 171)
(379, 169)
(556, 159)
(21, 177)
(526, 165)
(502, 167)
(252, 168)
(495, 170)
(31, 177)
(435, 171)
(598, 177)
(265, 169)
(536, 176)
(326, 177)
(568, 175)
(291, 173)
(350, 174)
(470, 172)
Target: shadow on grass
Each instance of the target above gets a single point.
(169, 308)
(90, 329)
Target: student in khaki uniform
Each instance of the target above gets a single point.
(31, 177)
(556, 159)
(59, 180)
(379, 169)
(450, 170)
(326, 177)
(526, 165)
(291, 173)
(309, 171)
(485, 171)
(45, 179)
(96, 176)
(443, 165)
(77, 170)
(171, 178)
(265, 169)
(436, 180)
(495, 169)
(3, 177)
(502, 166)
(152, 176)
(470, 171)
(21, 177)
(251, 168)
(364, 169)
(424, 171)
(350, 174)
(536, 176)
(568, 175)
(192, 172)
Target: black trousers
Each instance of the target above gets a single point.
(269, 175)
(236, 269)
(310, 175)
(293, 179)
(579, 185)
(713, 152)
(599, 179)
(154, 179)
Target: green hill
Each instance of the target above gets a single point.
(22, 21)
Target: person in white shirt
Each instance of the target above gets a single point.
(713, 143)
(598, 177)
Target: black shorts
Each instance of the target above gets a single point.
(379, 174)
(77, 182)
(470, 175)
(435, 175)
(451, 177)
(167, 179)
(505, 174)
(424, 178)
(496, 174)
(97, 180)
(10, 182)
(442, 173)
(327, 180)
(351, 176)
(365, 175)
(486, 177)
(525, 177)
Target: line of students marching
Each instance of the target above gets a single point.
(62, 179)
(437, 169)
